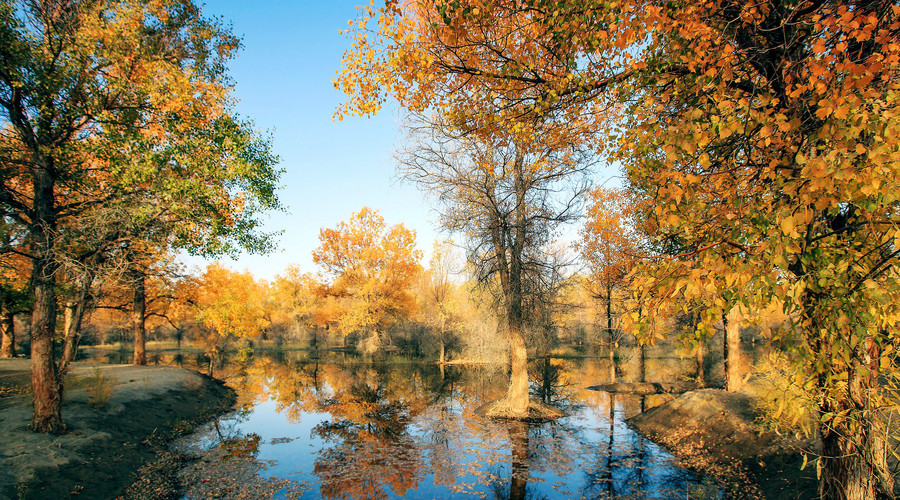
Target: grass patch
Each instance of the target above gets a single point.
(99, 387)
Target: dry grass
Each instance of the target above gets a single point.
(99, 387)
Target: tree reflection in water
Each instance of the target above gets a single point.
(553, 385)
(244, 448)
(518, 436)
(367, 430)
(372, 451)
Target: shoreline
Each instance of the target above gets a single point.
(715, 432)
(120, 420)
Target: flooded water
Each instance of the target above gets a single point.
(388, 430)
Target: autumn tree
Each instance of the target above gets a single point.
(375, 267)
(610, 246)
(200, 195)
(99, 96)
(787, 195)
(303, 300)
(503, 170)
(765, 132)
(438, 294)
(14, 288)
(502, 194)
(229, 304)
(141, 290)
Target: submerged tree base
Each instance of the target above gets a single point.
(536, 411)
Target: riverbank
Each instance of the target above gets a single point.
(118, 418)
(716, 433)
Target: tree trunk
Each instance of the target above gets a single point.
(46, 386)
(74, 316)
(517, 396)
(700, 353)
(701, 371)
(138, 319)
(609, 333)
(732, 351)
(608, 473)
(68, 354)
(855, 452)
(643, 363)
(848, 472)
(8, 341)
(209, 370)
(443, 359)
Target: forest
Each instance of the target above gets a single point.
(750, 236)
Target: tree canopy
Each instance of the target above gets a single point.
(126, 103)
(374, 266)
(762, 133)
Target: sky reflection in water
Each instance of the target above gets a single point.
(395, 430)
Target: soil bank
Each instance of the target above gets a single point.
(117, 417)
(715, 432)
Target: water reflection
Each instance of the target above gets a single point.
(355, 430)
(518, 436)
(368, 451)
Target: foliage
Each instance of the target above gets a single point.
(303, 299)
(783, 403)
(15, 270)
(373, 266)
(786, 196)
(143, 121)
(230, 303)
(117, 101)
(611, 244)
(763, 135)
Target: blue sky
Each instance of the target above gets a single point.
(291, 50)
(283, 81)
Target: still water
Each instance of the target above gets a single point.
(347, 429)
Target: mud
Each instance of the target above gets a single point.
(715, 432)
(118, 418)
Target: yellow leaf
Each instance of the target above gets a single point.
(787, 226)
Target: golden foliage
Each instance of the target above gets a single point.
(373, 267)
(231, 303)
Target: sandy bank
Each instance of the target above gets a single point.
(109, 436)
(715, 432)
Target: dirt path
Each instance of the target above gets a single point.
(118, 417)
(715, 432)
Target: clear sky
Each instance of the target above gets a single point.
(283, 81)
(291, 50)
